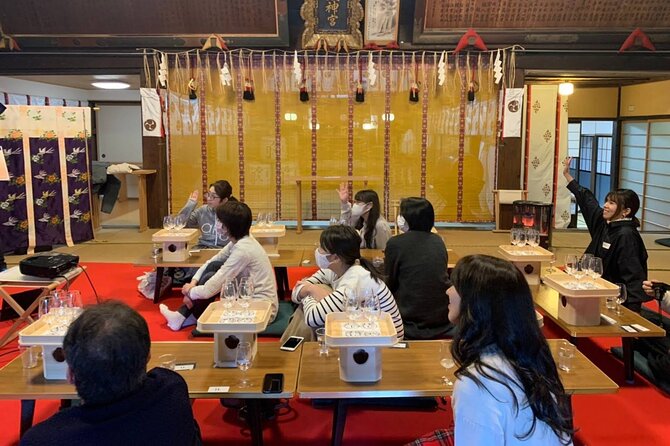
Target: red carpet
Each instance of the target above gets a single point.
(636, 415)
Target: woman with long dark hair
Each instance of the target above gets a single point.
(614, 237)
(342, 271)
(507, 389)
(365, 216)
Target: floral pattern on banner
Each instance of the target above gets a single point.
(46, 153)
(13, 210)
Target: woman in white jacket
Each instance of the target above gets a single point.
(242, 257)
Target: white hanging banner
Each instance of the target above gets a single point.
(151, 112)
(512, 112)
(563, 195)
(4, 173)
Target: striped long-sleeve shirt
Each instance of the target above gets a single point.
(355, 278)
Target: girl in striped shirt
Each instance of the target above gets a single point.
(342, 270)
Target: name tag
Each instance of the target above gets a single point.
(606, 245)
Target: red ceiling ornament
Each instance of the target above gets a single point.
(637, 38)
(464, 42)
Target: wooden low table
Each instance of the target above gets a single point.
(548, 300)
(12, 278)
(29, 385)
(414, 372)
(315, 179)
(197, 258)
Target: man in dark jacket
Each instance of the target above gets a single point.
(107, 349)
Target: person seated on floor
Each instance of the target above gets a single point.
(107, 349)
(365, 216)
(242, 257)
(342, 272)
(204, 217)
(507, 388)
(648, 287)
(416, 271)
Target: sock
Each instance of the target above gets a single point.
(190, 320)
(174, 319)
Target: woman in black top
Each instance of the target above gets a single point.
(614, 236)
(416, 268)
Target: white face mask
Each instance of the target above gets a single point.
(321, 259)
(220, 230)
(402, 224)
(359, 209)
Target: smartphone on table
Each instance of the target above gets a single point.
(292, 343)
(273, 383)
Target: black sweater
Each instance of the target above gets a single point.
(158, 413)
(416, 270)
(617, 243)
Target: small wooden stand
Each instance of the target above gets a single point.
(38, 333)
(228, 335)
(360, 356)
(528, 259)
(579, 307)
(175, 243)
(268, 237)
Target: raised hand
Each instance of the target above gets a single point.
(194, 195)
(343, 192)
(566, 169)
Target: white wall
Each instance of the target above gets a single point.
(119, 131)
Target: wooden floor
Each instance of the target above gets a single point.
(125, 245)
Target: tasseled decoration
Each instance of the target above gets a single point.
(471, 91)
(414, 92)
(248, 94)
(192, 88)
(304, 95)
(360, 93)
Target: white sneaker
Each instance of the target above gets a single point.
(174, 318)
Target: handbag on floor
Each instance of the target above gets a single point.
(147, 284)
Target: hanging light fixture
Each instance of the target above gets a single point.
(566, 88)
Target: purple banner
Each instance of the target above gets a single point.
(47, 191)
(13, 211)
(78, 190)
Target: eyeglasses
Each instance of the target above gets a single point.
(211, 196)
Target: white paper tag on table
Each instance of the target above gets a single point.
(607, 319)
(629, 329)
(182, 367)
(218, 389)
(639, 327)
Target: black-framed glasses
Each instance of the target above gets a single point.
(211, 196)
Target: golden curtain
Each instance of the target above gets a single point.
(442, 147)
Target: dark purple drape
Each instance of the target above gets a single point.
(13, 211)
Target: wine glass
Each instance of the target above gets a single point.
(552, 262)
(570, 264)
(514, 236)
(334, 220)
(446, 361)
(243, 360)
(521, 237)
(269, 219)
(168, 222)
(179, 222)
(621, 297)
(229, 293)
(260, 220)
(596, 268)
(246, 291)
(370, 304)
(532, 237)
(579, 272)
(352, 306)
